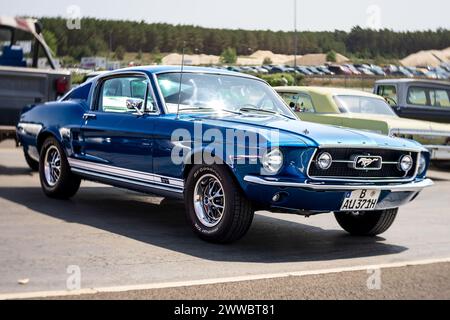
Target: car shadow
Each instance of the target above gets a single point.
(15, 171)
(136, 216)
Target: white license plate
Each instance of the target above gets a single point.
(361, 200)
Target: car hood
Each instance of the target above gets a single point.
(404, 124)
(309, 133)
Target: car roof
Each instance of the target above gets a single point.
(329, 91)
(187, 69)
(408, 80)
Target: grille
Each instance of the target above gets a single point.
(342, 166)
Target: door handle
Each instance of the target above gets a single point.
(89, 116)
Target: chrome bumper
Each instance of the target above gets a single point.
(407, 187)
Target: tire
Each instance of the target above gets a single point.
(33, 164)
(210, 222)
(368, 224)
(62, 186)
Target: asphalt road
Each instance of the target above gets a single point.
(121, 238)
(413, 282)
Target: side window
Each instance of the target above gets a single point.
(118, 94)
(440, 98)
(290, 99)
(305, 104)
(299, 102)
(79, 94)
(417, 96)
(388, 92)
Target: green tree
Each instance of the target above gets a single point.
(139, 55)
(120, 52)
(331, 56)
(267, 60)
(157, 56)
(228, 56)
(51, 40)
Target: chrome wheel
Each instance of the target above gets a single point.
(209, 200)
(52, 166)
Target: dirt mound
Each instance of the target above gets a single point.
(427, 58)
(316, 59)
(255, 59)
(190, 59)
(260, 55)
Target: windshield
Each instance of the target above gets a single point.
(361, 104)
(219, 93)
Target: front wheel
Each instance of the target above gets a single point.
(368, 223)
(215, 205)
(57, 180)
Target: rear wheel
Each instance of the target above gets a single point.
(215, 205)
(57, 180)
(33, 164)
(366, 223)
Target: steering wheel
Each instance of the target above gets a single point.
(391, 101)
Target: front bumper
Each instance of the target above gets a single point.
(323, 197)
(412, 186)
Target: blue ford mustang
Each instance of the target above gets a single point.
(225, 143)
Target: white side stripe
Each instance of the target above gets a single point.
(126, 173)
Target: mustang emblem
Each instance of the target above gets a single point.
(365, 162)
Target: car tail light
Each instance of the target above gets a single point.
(62, 85)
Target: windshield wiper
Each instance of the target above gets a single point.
(249, 109)
(210, 109)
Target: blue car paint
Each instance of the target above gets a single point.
(143, 143)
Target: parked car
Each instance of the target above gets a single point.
(26, 77)
(365, 71)
(417, 99)
(365, 111)
(325, 70)
(340, 70)
(261, 70)
(377, 70)
(224, 142)
(278, 69)
(353, 69)
(315, 71)
(304, 71)
(234, 69)
(399, 71)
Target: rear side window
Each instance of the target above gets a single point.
(440, 98)
(299, 102)
(79, 94)
(418, 96)
(423, 96)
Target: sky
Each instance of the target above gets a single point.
(314, 15)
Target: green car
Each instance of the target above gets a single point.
(365, 111)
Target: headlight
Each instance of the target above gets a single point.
(406, 163)
(422, 164)
(324, 161)
(272, 161)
